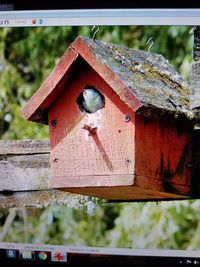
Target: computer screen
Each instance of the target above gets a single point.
(99, 130)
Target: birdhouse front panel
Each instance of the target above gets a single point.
(91, 147)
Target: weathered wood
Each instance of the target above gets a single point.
(164, 153)
(118, 152)
(81, 159)
(26, 147)
(42, 100)
(11, 197)
(139, 78)
(195, 75)
(195, 102)
(195, 182)
(195, 98)
(196, 47)
(24, 165)
(25, 176)
(79, 197)
(41, 199)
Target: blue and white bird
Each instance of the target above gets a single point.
(90, 100)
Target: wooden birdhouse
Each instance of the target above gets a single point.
(138, 136)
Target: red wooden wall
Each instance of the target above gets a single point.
(163, 154)
(106, 158)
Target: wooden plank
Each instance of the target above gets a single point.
(34, 197)
(196, 47)
(125, 193)
(24, 165)
(26, 147)
(24, 172)
(195, 98)
(195, 75)
(195, 181)
(79, 197)
(81, 159)
(162, 186)
(25, 175)
(42, 198)
(163, 154)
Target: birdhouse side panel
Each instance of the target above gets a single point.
(163, 154)
(95, 149)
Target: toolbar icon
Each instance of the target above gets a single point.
(59, 256)
(42, 255)
(40, 21)
(27, 255)
(11, 253)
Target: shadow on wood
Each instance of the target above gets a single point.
(19, 159)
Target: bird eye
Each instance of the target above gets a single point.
(90, 100)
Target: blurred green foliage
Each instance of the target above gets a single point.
(27, 56)
(151, 225)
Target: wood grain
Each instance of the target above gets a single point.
(43, 98)
(79, 159)
(24, 165)
(126, 193)
(163, 154)
(13, 156)
(195, 98)
(41, 198)
(25, 147)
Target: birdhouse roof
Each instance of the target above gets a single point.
(141, 79)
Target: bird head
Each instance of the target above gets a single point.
(90, 100)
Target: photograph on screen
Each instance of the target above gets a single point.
(123, 120)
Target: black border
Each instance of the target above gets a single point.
(95, 4)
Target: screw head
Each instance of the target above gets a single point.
(127, 162)
(54, 123)
(127, 118)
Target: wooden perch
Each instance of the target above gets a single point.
(25, 175)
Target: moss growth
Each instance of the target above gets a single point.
(43, 182)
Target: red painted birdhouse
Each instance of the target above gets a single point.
(117, 117)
